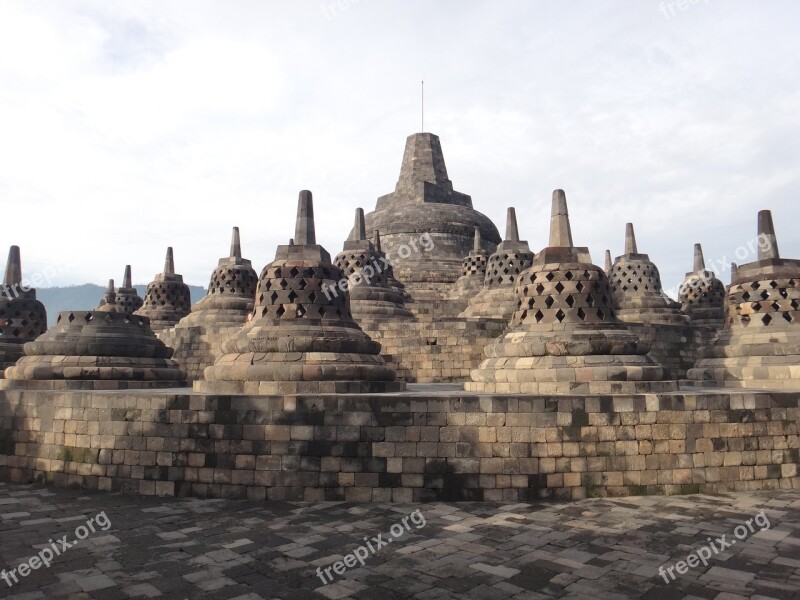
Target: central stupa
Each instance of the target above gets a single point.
(424, 204)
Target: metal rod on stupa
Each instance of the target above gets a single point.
(630, 240)
(767, 242)
(560, 231)
(304, 233)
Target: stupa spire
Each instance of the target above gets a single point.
(13, 274)
(699, 261)
(608, 261)
(169, 263)
(377, 238)
(512, 232)
(360, 228)
(236, 245)
(560, 231)
(476, 241)
(630, 240)
(304, 232)
(126, 279)
(767, 241)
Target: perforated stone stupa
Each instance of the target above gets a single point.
(167, 299)
(564, 336)
(367, 273)
(128, 299)
(424, 202)
(473, 270)
(702, 295)
(496, 299)
(22, 317)
(198, 337)
(759, 345)
(97, 349)
(300, 339)
(636, 287)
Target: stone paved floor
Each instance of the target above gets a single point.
(596, 548)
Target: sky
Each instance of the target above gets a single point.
(129, 127)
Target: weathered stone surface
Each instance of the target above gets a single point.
(128, 299)
(564, 335)
(167, 299)
(99, 349)
(424, 203)
(702, 295)
(759, 345)
(300, 338)
(366, 271)
(22, 317)
(496, 299)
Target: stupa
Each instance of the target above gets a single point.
(128, 299)
(425, 204)
(300, 339)
(22, 317)
(564, 336)
(231, 291)
(473, 270)
(367, 273)
(496, 299)
(636, 288)
(167, 299)
(103, 348)
(759, 344)
(702, 295)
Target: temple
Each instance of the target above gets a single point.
(428, 360)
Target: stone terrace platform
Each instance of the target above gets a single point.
(242, 550)
(429, 443)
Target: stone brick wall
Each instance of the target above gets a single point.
(401, 448)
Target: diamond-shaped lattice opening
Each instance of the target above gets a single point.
(559, 287)
(302, 284)
(791, 282)
(539, 316)
(636, 288)
(549, 302)
(579, 286)
(549, 276)
(570, 301)
(783, 293)
(795, 304)
(273, 297)
(524, 315)
(589, 300)
(280, 310)
(292, 296)
(88, 318)
(755, 285)
(624, 288)
(600, 314)
(764, 295)
(321, 310)
(300, 312)
(312, 297)
(756, 306)
(568, 275)
(284, 284)
(539, 288)
(775, 306)
(766, 319)
(16, 332)
(560, 315)
(70, 318)
(294, 272)
(746, 296)
(581, 314)
(773, 284)
(531, 302)
(787, 316)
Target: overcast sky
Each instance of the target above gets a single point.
(128, 127)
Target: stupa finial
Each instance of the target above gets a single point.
(560, 232)
(476, 240)
(304, 233)
(767, 241)
(377, 237)
(630, 240)
(169, 263)
(608, 261)
(699, 261)
(126, 279)
(236, 245)
(360, 229)
(512, 233)
(13, 275)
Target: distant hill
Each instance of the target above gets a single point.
(86, 297)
